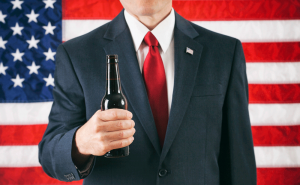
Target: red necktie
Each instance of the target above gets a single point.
(156, 85)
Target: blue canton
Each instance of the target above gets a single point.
(30, 32)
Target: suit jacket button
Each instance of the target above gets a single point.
(162, 172)
(70, 176)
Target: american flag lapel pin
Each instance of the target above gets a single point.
(189, 50)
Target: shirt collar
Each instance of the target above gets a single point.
(163, 31)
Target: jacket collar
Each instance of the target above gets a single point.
(118, 24)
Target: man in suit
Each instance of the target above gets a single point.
(187, 97)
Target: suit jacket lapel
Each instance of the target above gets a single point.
(132, 80)
(186, 67)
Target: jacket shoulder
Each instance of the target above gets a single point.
(215, 43)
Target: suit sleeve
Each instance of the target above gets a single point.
(236, 159)
(66, 116)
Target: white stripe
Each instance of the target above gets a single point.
(277, 156)
(274, 114)
(24, 113)
(19, 156)
(27, 156)
(256, 31)
(246, 31)
(75, 28)
(273, 72)
(260, 114)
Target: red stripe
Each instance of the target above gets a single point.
(272, 52)
(262, 135)
(193, 10)
(238, 9)
(92, 9)
(29, 175)
(274, 93)
(35, 175)
(276, 135)
(278, 176)
(21, 134)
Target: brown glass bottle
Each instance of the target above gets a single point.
(114, 98)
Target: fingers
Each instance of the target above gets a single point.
(114, 114)
(105, 131)
(116, 125)
(112, 129)
(120, 143)
(118, 135)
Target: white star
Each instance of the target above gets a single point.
(2, 43)
(32, 16)
(32, 42)
(18, 81)
(49, 28)
(49, 80)
(33, 68)
(49, 3)
(2, 16)
(17, 29)
(49, 54)
(2, 68)
(17, 55)
(17, 4)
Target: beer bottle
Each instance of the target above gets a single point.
(114, 98)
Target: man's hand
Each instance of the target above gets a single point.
(105, 131)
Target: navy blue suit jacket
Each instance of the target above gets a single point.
(208, 139)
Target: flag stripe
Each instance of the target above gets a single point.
(274, 114)
(19, 156)
(15, 134)
(262, 135)
(256, 31)
(260, 114)
(27, 156)
(276, 135)
(273, 72)
(274, 93)
(29, 175)
(36, 176)
(277, 156)
(272, 51)
(278, 176)
(246, 31)
(193, 10)
(24, 113)
(237, 10)
(85, 26)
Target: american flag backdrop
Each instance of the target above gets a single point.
(31, 30)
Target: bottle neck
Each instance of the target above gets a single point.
(113, 84)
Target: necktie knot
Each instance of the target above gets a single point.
(150, 39)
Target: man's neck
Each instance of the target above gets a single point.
(151, 21)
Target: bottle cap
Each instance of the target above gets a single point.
(111, 58)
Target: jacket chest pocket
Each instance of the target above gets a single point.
(207, 90)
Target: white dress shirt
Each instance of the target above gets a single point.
(164, 33)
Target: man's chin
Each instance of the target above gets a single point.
(146, 11)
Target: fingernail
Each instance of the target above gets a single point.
(129, 114)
